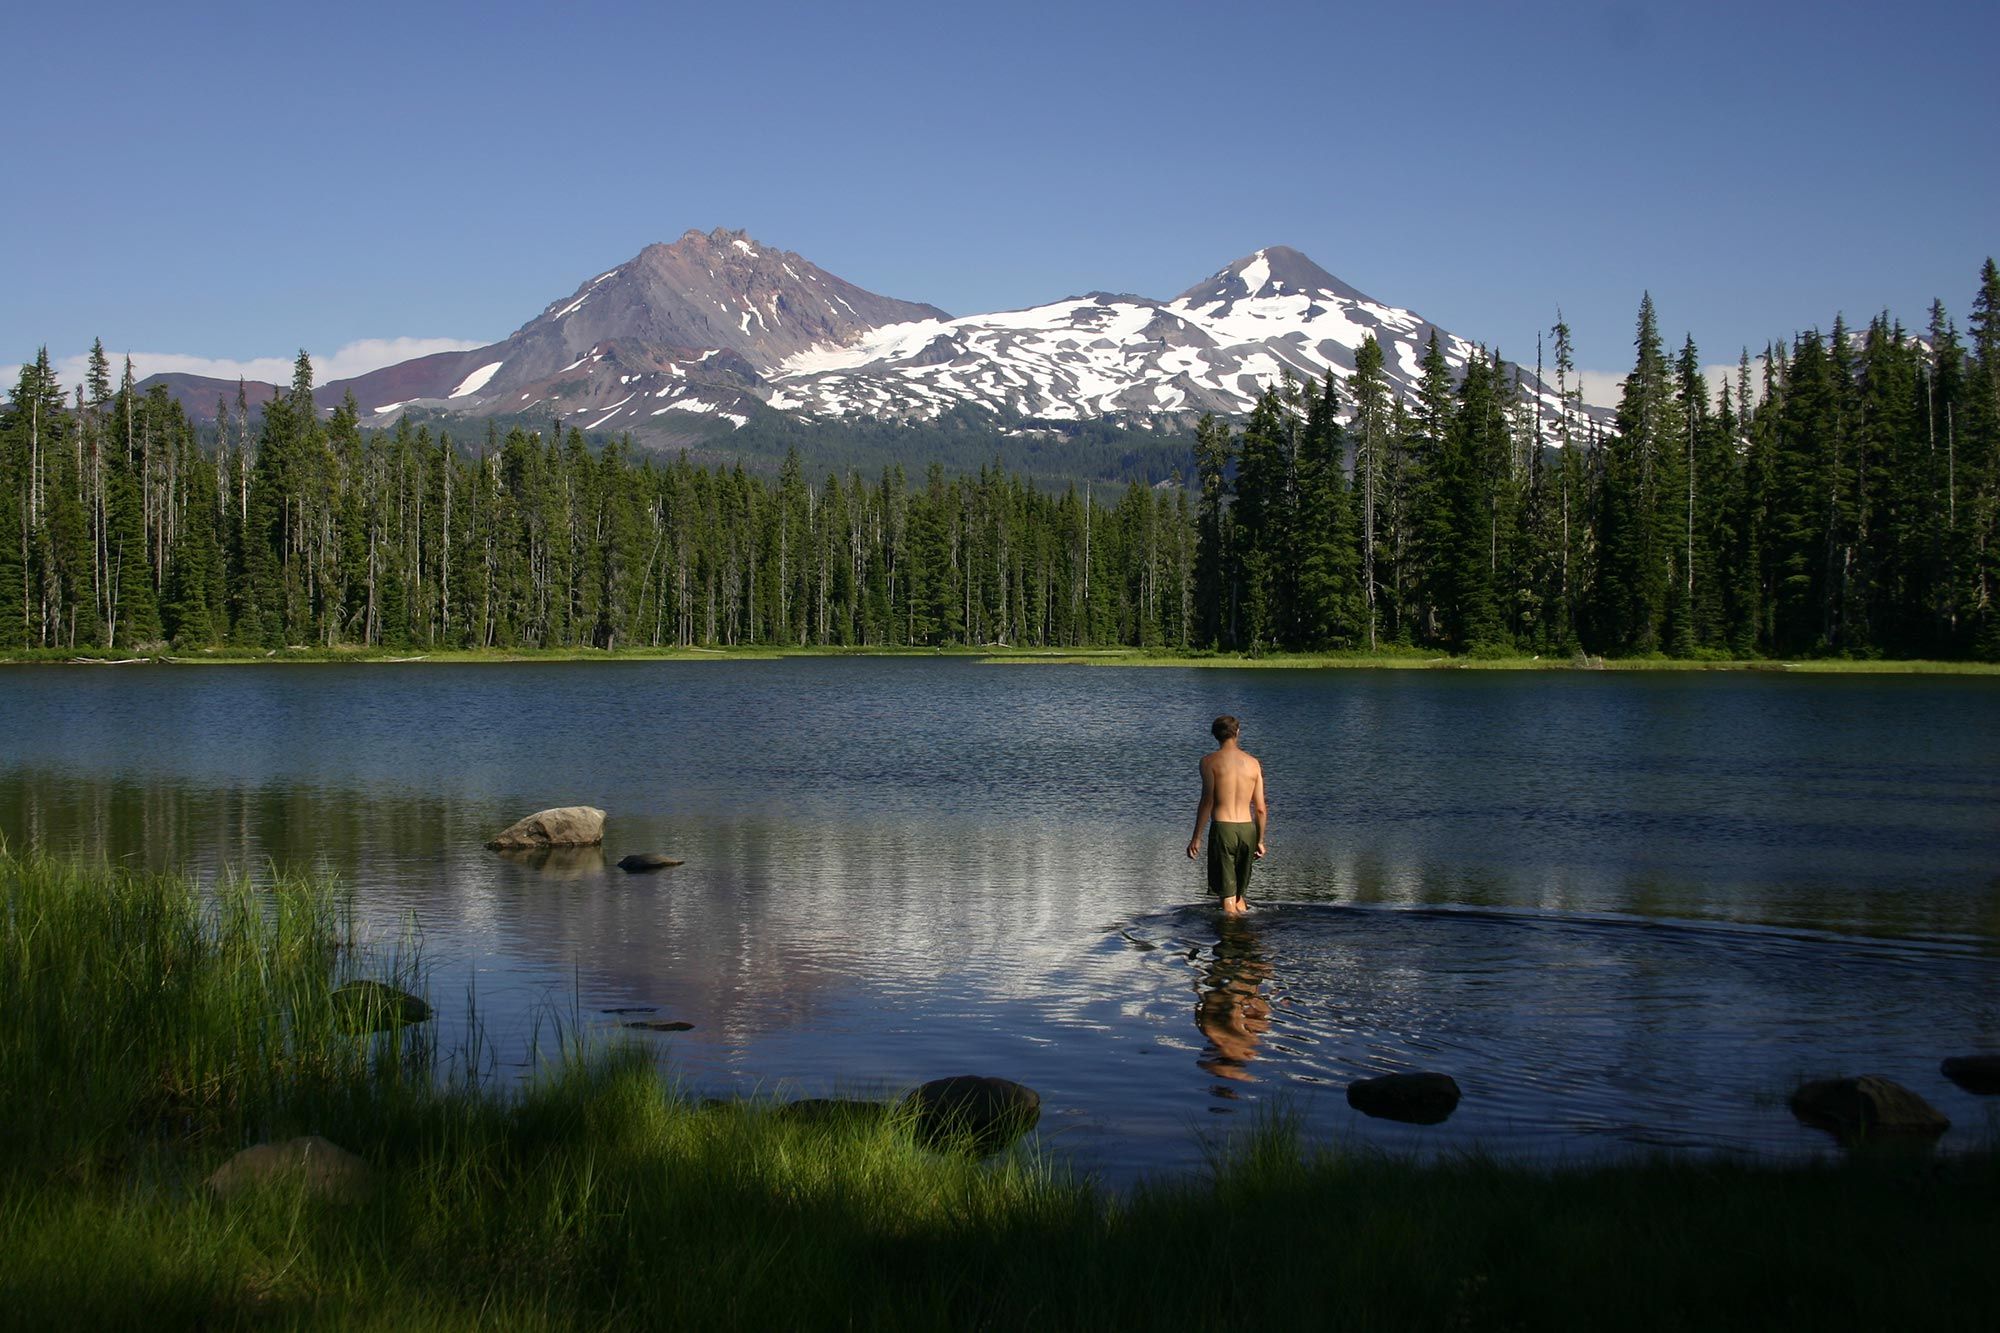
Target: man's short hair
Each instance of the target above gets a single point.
(1225, 727)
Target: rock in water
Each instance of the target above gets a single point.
(1414, 1099)
(329, 1170)
(643, 861)
(973, 1113)
(1858, 1108)
(564, 826)
(1974, 1073)
(374, 1006)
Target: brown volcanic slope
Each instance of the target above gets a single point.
(691, 327)
(198, 394)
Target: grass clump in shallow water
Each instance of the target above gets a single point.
(141, 1012)
(159, 1031)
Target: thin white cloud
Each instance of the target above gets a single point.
(347, 361)
(1600, 388)
(1603, 388)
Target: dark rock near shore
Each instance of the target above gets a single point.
(640, 862)
(1414, 1099)
(563, 826)
(971, 1113)
(660, 1025)
(1974, 1073)
(830, 1111)
(1859, 1108)
(329, 1171)
(375, 1006)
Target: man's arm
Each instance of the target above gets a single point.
(1203, 810)
(1257, 810)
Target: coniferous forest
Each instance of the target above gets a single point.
(1840, 497)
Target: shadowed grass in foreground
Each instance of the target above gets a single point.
(158, 1032)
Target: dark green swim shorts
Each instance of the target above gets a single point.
(1232, 850)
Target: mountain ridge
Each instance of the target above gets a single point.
(716, 327)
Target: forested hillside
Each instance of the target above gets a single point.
(1841, 496)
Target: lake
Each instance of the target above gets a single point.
(1628, 912)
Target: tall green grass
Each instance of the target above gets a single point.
(150, 1029)
(142, 1012)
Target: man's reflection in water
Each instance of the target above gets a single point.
(1232, 1011)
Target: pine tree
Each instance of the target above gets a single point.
(1982, 440)
(1635, 561)
(1373, 435)
(1426, 560)
(1214, 591)
(1326, 554)
(1465, 553)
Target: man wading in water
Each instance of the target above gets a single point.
(1232, 805)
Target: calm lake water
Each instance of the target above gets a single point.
(1625, 911)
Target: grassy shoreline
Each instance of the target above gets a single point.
(1130, 657)
(154, 1027)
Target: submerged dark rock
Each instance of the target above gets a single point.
(1974, 1073)
(376, 1006)
(640, 862)
(972, 1113)
(1414, 1099)
(1859, 1108)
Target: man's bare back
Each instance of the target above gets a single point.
(1233, 812)
(1237, 780)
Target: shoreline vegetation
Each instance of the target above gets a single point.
(1840, 498)
(1386, 660)
(156, 1026)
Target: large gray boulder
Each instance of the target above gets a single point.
(328, 1170)
(1860, 1108)
(563, 826)
(1414, 1099)
(971, 1113)
(376, 1006)
(1974, 1073)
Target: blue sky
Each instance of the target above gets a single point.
(242, 181)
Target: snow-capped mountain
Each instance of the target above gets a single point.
(1213, 348)
(716, 327)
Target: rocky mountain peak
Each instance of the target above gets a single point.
(1274, 271)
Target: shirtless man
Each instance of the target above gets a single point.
(1232, 805)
